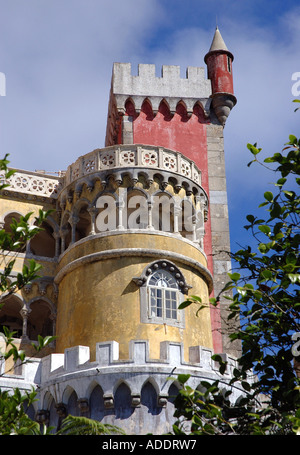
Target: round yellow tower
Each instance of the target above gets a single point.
(132, 227)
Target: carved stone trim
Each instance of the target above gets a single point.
(61, 410)
(167, 265)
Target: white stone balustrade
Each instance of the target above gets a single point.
(33, 183)
(131, 156)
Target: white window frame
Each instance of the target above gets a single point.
(161, 297)
(177, 284)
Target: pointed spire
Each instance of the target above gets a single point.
(218, 45)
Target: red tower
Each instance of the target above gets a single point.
(186, 115)
(219, 68)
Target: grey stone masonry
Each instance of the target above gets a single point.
(219, 223)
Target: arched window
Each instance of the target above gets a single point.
(162, 289)
(83, 226)
(72, 406)
(9, 220)
(10, 316)
(149, 399)
(122, 399)
(163, 295)
(40, 320)
(97, 407)
(43, 243)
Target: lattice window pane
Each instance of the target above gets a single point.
(162, 278)
(171, 304)
(163, 298)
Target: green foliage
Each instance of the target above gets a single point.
(194, 299)
(15, 421)
(296, 101)
(15, 241)
(83, 426)
(198, 411)
(266, 300)
(5, 172)
(18, 356)
(13, 417)
(21, 232)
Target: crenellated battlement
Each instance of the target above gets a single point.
(77, 359)
(170, 88)
(170, 84)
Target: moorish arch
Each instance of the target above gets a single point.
(11, 314)
(40, 318)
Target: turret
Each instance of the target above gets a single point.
(219, 68)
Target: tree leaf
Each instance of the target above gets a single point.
(269, 196)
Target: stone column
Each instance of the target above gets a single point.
(177, 213)
(120, 207)
(93, 212)
(194, 234)
(73, 220)
(63, 233)
(127, 129)
(150, 220)
(83, 404)
(57, 243)
(62, 413)
(24, 313)
(53, 319)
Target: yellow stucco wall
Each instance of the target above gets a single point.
(98, 301)
(22, 207)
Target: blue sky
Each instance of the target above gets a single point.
(57, 57)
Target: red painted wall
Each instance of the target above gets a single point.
(177, 132)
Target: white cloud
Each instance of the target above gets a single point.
(57, 57)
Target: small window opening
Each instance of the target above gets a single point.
(228, 63)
